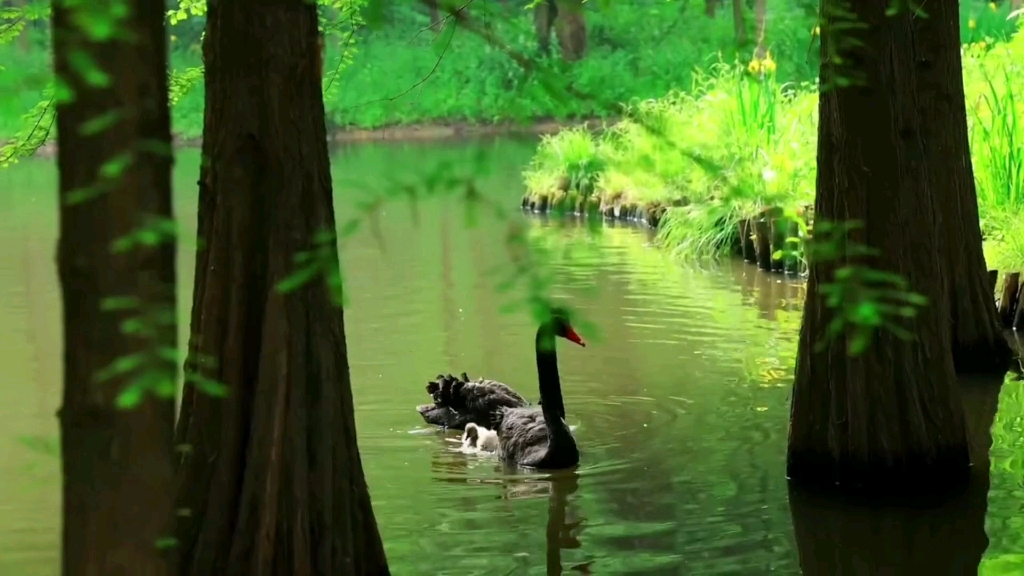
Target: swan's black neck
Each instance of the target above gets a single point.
(547, 375)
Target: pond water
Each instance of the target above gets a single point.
(681, 398)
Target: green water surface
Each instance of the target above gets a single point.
(681, 398)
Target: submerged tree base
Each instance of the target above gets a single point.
(983, 358)
(918, 476)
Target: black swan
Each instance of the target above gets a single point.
(479, 438)
(460, 401)
(538, 436)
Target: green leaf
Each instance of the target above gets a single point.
(120, 366)
(130, 397)
(117, 165)
(298, 279)
(87, 68)
(101, 123)
(166, 543)
(116, 303)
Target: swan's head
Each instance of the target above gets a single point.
(560, 326)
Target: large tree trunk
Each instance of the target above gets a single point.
(571, 28)
(117, 463)
(892, 417)
(977, 338)
(273, 481)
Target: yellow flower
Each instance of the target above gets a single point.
(755, 66)
(768, 65)
(992, 6)
(972, 24)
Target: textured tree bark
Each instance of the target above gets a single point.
(890, 419)
(977, 340)
(571, 29)
(761, 24)
(543, 21)
(273, 483)
(836, 537)
(117, 464)
(739, 26)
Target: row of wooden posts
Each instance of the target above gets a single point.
(761, 236)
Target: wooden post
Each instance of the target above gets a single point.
(1008, 301)
(792, 261)
(749, 249)
(778, 230)
(1018, 316)
(763, 242)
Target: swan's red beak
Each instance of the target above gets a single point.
(573, 337)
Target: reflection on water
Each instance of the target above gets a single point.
(680, 403)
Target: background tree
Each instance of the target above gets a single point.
(739, 25)
(116, 267)
(571, 29)
(890, 157)
(273, 480)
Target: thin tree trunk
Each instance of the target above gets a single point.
(761, 25)
(891, 418)
(977, 338)
(117, 464)
(739, 26)
(273, 481)
(544, 14)
(709, 8)
(571, 28)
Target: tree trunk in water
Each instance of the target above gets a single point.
(543, 20)
(761, 25)
(890, 418)
(977, 338)
(571, 28)
(273, 482)
(118, 480)
(738, 25)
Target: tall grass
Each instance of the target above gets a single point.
(994, 87)
(740, 141)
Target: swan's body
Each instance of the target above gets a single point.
(534, 436)
(461, 401)
(539, 437)
(479, 438)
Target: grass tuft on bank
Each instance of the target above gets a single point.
(740, 141)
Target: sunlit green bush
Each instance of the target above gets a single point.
(741, 141)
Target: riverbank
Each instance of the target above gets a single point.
(712, 161)
(419, 132)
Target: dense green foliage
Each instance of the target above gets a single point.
(404, 72)
(744, 141)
